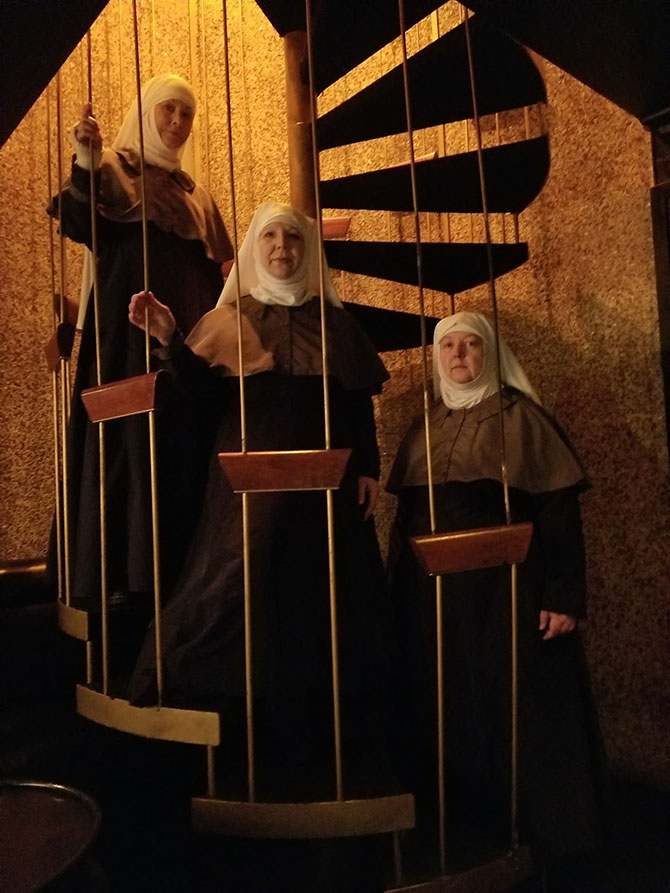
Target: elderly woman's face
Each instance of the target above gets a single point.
(461, 356)
(282, 248)
(174, 120)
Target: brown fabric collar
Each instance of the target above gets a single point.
(131, 160)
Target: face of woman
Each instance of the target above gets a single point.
(282, 248)
(461, 356)
(174, 120)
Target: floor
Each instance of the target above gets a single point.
(144, 787)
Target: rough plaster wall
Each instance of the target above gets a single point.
(593, 339)
(581, 313)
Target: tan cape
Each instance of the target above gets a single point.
(287, 340)
(175, 203)
(465, 446)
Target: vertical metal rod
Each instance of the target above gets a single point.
(155, 535)
(152, 70)
(498, 143)
(89, 662)
(389, 216)
(52, 254)
(248, 655)
(102, 465)
(445, 218)
(471, 219)
(429, 464)
(61, 239)
(503, 461)
(245, 106)
(514, 781)
(104, 599)
(191, 39)
(422, 136)
(193, 69)
(526, 122)
(64, 388)
(211, 773)
(466, 130)
(334, 649)
(205, 99)
(64, 363)
(94, 232)
(54, 375)
(68, 389)
(319, 226)
(108, 62)
(337, 720)
(397, 858)
(155, 549)
(120, 26)
(89, 66)
(441, 792)
(233, 200)
(424, 149)
(82, 69)
(143, 183)
(419, 269)
(489, 258)
(57, 485)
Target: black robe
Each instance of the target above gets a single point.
(185, 258)
(203, 623)
(560, 754)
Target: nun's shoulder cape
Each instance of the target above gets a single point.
(174, 202)
(465, 446)
(287, 340)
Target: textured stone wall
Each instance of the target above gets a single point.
(581, 314)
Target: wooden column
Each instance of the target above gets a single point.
(301, 166)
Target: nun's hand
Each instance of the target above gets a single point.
(86, 130)
(555, 624)
(368, 491)
(162, 323)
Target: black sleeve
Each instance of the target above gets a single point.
(192, 374)
(75, 205)
(366, 448)
(215, 281)
(558, 528)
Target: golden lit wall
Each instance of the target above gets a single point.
(581, 313)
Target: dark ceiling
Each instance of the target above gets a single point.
(621, 48)
(36, 37)
(345, 31)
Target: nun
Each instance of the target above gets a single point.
(560, 759)
(187, 243)
(277, 276)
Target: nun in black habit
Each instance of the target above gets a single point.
(203, 623)
(560, 757)
(187, 243)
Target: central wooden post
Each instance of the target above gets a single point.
(300, 160)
